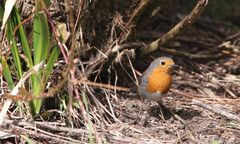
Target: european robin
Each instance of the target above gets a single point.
(157, 79)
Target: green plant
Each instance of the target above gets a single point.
(40, 51)
(215, 142)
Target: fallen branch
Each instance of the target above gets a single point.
(44, 125)
(188, 20)
(216, 110)
(40, 134)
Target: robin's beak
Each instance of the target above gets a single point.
(173, 68)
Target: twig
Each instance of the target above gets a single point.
(137, 12)
(216, 110)
(131, 23)
(80, 8)
(101, 85)
(56, 36)
(135, 45)
(21, 23)
(228, 129)
(188, 20)
(45, 125)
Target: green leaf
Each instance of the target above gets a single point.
(28, 140)
(216, 142)
(41, 47)
(40, 4)
(22, 36)
(1, 12)
(7, 73)
(52, 59)
(14, 48)
(41, 37)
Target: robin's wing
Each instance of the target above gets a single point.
(148, 71)
(140, 79)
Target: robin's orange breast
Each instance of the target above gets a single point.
(159, 81)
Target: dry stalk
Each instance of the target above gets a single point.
(94, 84)
(56, 36)
(74, 87)
(80, 8)
(137, 12)
(133, 19)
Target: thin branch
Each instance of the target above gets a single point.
(137, 12)
(57, 37)
(44, 125)
(80, 8)
(94, 84)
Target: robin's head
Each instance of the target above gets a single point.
(163, 65)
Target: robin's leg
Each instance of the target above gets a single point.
(161, 107)
(164, 111)
(176, 116)
(173, 114)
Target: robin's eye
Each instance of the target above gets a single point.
(162, 63)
